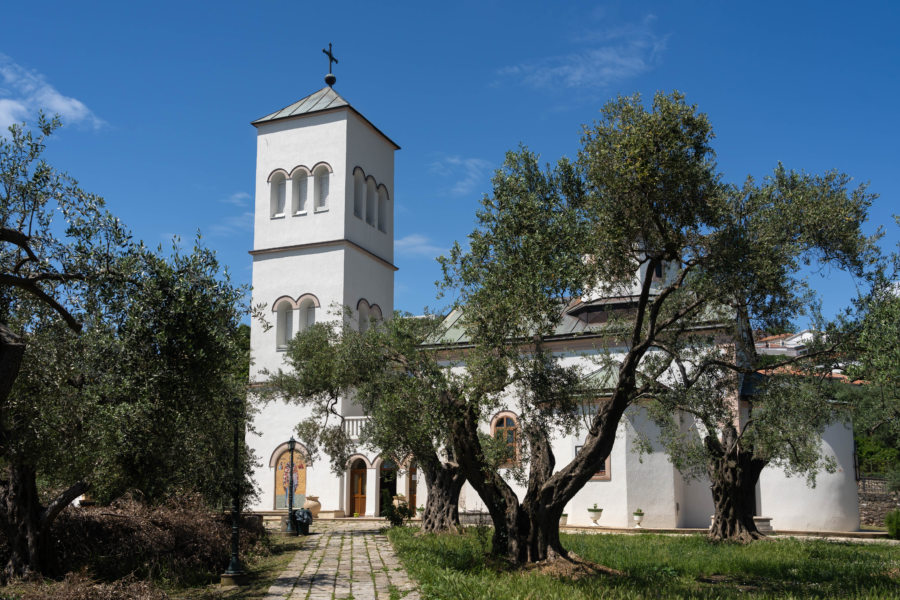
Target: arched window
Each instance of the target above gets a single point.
(371, 201)
(284, 329)
(299, 192)
(359, 193)
(277, 190)
(362, 312)
(506, 429)
(375, 315)
(321, 182)
(307, 314)
(382, 210)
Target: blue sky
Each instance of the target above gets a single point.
(158, 97)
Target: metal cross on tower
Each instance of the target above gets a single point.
(330, 79)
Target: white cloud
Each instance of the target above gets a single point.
(23, 93)
(11, 112)
(237, 199)
(606, 57)
(417, 244)
(233, 225)
(467, 173)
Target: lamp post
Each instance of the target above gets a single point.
(290, 520)
(235, 574)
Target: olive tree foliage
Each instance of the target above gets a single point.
(169, 374)
(644, 197)
(396, 382)
(875, 358)
(55, 242)
(770, 232)
(117, 365)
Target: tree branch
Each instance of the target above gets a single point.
(19, 239)
(30, 286)
(60, 502)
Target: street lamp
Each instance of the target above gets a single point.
(290, 520)
(235, 574)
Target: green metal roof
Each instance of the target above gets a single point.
(604, 378)
(570, 325)
(324, 99)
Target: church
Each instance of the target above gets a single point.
(324, 237)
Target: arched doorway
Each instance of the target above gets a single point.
(358, 487)
(284, 477)
(387, 480)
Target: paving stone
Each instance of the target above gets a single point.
(343, 559)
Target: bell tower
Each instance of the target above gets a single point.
(323, 239)
(323, 220)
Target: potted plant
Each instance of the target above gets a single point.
(563, 519)
(355, 515)
(420, 510)
(594, 513)
(638, 517)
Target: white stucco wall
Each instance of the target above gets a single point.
(291, 143)
(610, 495)
(370, 151)
(831, 506)
(292, 273)
(369, 279)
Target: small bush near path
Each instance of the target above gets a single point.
(655, 566)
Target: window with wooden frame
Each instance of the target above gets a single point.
(505, 427)
(602, 473)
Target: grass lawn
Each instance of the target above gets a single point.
(656, 566)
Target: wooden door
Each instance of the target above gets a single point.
(358, 491)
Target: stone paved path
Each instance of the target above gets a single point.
(344, 560)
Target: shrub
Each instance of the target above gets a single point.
(892, 522)
(182, 541)
(396, 515)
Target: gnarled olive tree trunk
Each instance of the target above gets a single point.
(444, 482)
(528, 531)
(733, 473)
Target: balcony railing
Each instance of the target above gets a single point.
(353, 426)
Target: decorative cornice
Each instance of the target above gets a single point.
(329, 243)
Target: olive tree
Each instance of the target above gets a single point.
(642, 216)
(118, 366)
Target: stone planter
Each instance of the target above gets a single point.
(313, 505)
(563, 520)
(594, 514)
(638, 517)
